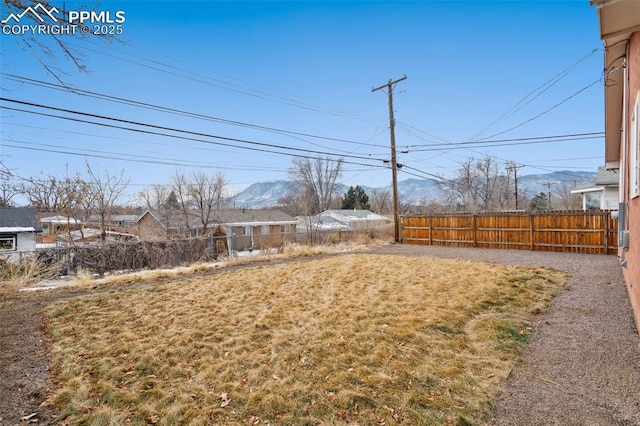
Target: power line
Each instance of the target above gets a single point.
(165, 128)
(150, 106)
(530, 138)
(233, 87)
(488, 144)
(123, 157)
(547, 110)
(527, 99)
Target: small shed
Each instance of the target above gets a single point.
(220, 237)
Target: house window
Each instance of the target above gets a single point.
(7, 242)
(246, 231)
(634, 160)
(265, 229)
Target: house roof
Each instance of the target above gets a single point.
(354, 215)
(18, 219)
(234, 217)
(604, 179)
(116, 218)
(60, 219)
(619, 19)
(239, 217)
(340, 220)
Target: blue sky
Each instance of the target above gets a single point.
(309, 67)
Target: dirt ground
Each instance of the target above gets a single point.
(581, 366)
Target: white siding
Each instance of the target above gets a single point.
(609, 200)
(25, 246)
(26, 241)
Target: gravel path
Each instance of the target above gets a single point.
(582, 363)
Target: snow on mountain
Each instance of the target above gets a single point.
(262, 194)
(418, 191)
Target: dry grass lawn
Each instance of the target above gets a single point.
(351, 339)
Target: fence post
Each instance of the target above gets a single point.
(531, 232)
(430, 230)
(475, 230)
(605, 225)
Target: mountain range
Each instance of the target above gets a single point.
(267, 194)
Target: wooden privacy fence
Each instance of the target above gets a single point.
(569, 231)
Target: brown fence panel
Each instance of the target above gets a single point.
(571, 231)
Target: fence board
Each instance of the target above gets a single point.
(568, 231)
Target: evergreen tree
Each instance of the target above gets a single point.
(540, 202)
(356, 198)
(172, 201)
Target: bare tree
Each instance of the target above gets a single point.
(48, 47)
(480, 185)
(316, 180)
(381, 201)
(464, 188)
(106, 190)
(291, 204)
(198, 195)
(5, 173)
(41, 192)
(315, 189)
(180, 184)
(7, 191)
(154, 197)
(70, 193)
(207, 193)
(563, 199)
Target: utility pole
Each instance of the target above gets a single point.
(394, 163)
(549, 193)
(515, 167)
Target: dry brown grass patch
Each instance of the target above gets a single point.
(359, 338)
(15, 276)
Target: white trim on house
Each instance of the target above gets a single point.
(16, 229)
(281, 222)
(634, 155)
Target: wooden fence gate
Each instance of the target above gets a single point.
(569, 231)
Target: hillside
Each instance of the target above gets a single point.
(267, 194)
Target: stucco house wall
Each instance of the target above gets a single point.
(619, 25)
(631, 255)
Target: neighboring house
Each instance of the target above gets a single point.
(17, 232)
(257, 229)
(601, 192)
(620, 32)
(154, 225)
(117, 221)
(59, 224)
(343, 220)
(252, 228)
